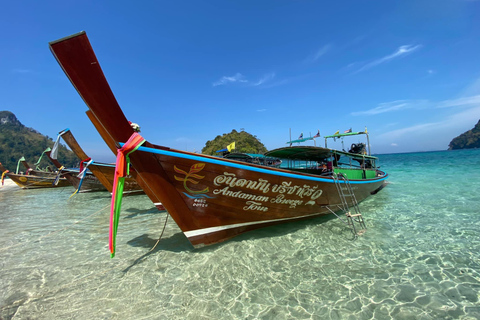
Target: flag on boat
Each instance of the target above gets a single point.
(231, 146)
(348, 131)
(301, 136)
(318, 134)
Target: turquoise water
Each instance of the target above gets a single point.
(419, 259)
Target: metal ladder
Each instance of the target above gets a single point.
(352, 213)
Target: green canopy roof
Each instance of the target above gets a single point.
(310, 153)
(300, 140)
(338, 135)
(245, 156)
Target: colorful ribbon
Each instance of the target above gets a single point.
(81, 175)
(53, 153)
(57, 178)
(83, 161)
(18, 163)
(121, 170)
(3, 176)
(40, 159)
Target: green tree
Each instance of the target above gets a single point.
(244, 142)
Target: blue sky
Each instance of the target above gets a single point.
(187, 71)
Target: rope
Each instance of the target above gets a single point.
(166, 219)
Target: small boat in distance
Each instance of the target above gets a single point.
(82, 181)
(214, 199)
(104, 172)
(36, 179)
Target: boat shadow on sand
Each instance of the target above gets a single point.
(179, 243)
(136, 212)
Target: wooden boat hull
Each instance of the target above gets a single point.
(34, 182)
(104, 172)
(31, 181)
(211, 199)
(221, 199)
(89, 184)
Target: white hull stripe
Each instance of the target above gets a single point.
(200, 232)
(158, 203)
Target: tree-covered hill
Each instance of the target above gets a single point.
(467, 140)
(244, 142)
(18, 141)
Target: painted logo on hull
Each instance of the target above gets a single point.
(190, 177)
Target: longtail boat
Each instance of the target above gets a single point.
(214, 199)
(35, 172)
(32, 181)
(104, 172)
(81, 180)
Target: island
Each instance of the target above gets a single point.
(467, 140)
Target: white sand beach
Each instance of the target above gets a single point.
(8, 185)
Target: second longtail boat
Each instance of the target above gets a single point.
(104, 172)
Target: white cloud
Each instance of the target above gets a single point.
(472, 89)
(276, 84)
(240, 78)
(264, 79)
(444, 120)
(320, 52)
(393, 106)
(431, 135)
(401, 51)
(464, 101)
(261, 110)
(397, 105)
(237, 78)
(417, 129)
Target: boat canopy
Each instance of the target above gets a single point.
(300, 140)
(339, 135)
(239, 155)
(310, 153)
(345, 134)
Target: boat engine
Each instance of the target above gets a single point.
(357, 148)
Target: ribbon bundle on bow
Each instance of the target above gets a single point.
(121, 170)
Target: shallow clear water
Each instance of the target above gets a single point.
(419, 259)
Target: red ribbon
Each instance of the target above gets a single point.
(82, 162)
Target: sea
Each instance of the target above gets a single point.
(418, 259)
